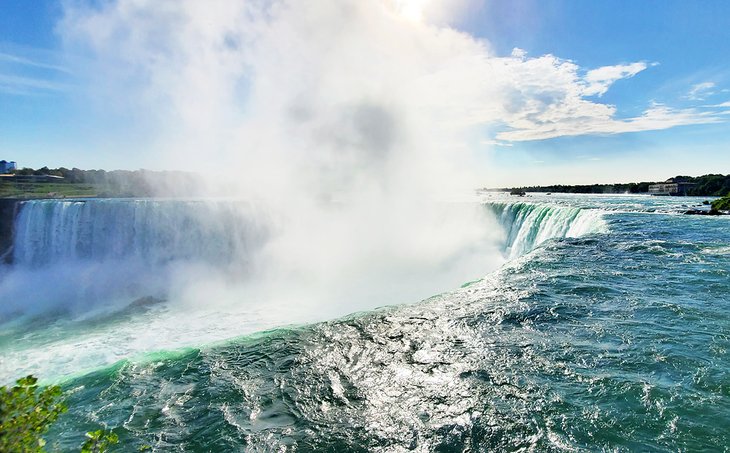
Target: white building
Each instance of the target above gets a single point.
(669, 187)
(7, 167)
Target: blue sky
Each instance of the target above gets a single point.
(688, 41)
(684, 48)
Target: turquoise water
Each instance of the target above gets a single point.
(608, 328)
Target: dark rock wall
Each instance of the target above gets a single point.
(8, 208)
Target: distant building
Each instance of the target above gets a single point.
(670, 187)
(7, 167)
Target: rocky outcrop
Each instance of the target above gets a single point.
(704, 212)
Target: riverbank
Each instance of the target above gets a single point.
(10, 189)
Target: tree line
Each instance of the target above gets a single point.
(124, 183)
(706, 185)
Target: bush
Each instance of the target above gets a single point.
(26, 414)
(723, 204)
(98, 441)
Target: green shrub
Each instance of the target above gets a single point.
(723, 204)
(99, 441)
(26, 413)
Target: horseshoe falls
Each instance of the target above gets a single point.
(603, 324)
(50, 231)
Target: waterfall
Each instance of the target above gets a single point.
(151, 231)
(162, 231)
(526, 225)
(74, 255)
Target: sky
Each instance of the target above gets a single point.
(588, 92)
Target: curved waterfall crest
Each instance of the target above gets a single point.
(74, 255)
(221, 231)
(152, 231)
(527, 225)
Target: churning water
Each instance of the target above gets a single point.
(608, 328)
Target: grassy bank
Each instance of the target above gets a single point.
(42, 189)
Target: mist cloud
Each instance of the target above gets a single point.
(352, 121)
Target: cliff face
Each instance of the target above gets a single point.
(8, 209)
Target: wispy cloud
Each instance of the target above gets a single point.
(654, 118)
(720, 105)
(20, 85)
(25, 75)
(598, 81)
(700, 91)
(548, 98)
(18, 60)
(495, 143)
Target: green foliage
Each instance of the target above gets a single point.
(723, 204)
(23, 189)
(26, 413)
(706, 185)
(47, 182)
(711, 185)
(99, 441)
(633, 187)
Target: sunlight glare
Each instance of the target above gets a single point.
(412, 10)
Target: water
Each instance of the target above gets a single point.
(608, 328)
(153, 231)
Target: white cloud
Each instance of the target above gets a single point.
(720, 105)
(548, 99)
(600, 80)
(654, 118)
(700, 91)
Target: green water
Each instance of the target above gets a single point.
(616, 340)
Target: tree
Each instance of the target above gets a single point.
(99, 441)
(26, 414)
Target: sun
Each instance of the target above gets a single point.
(412, 10)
